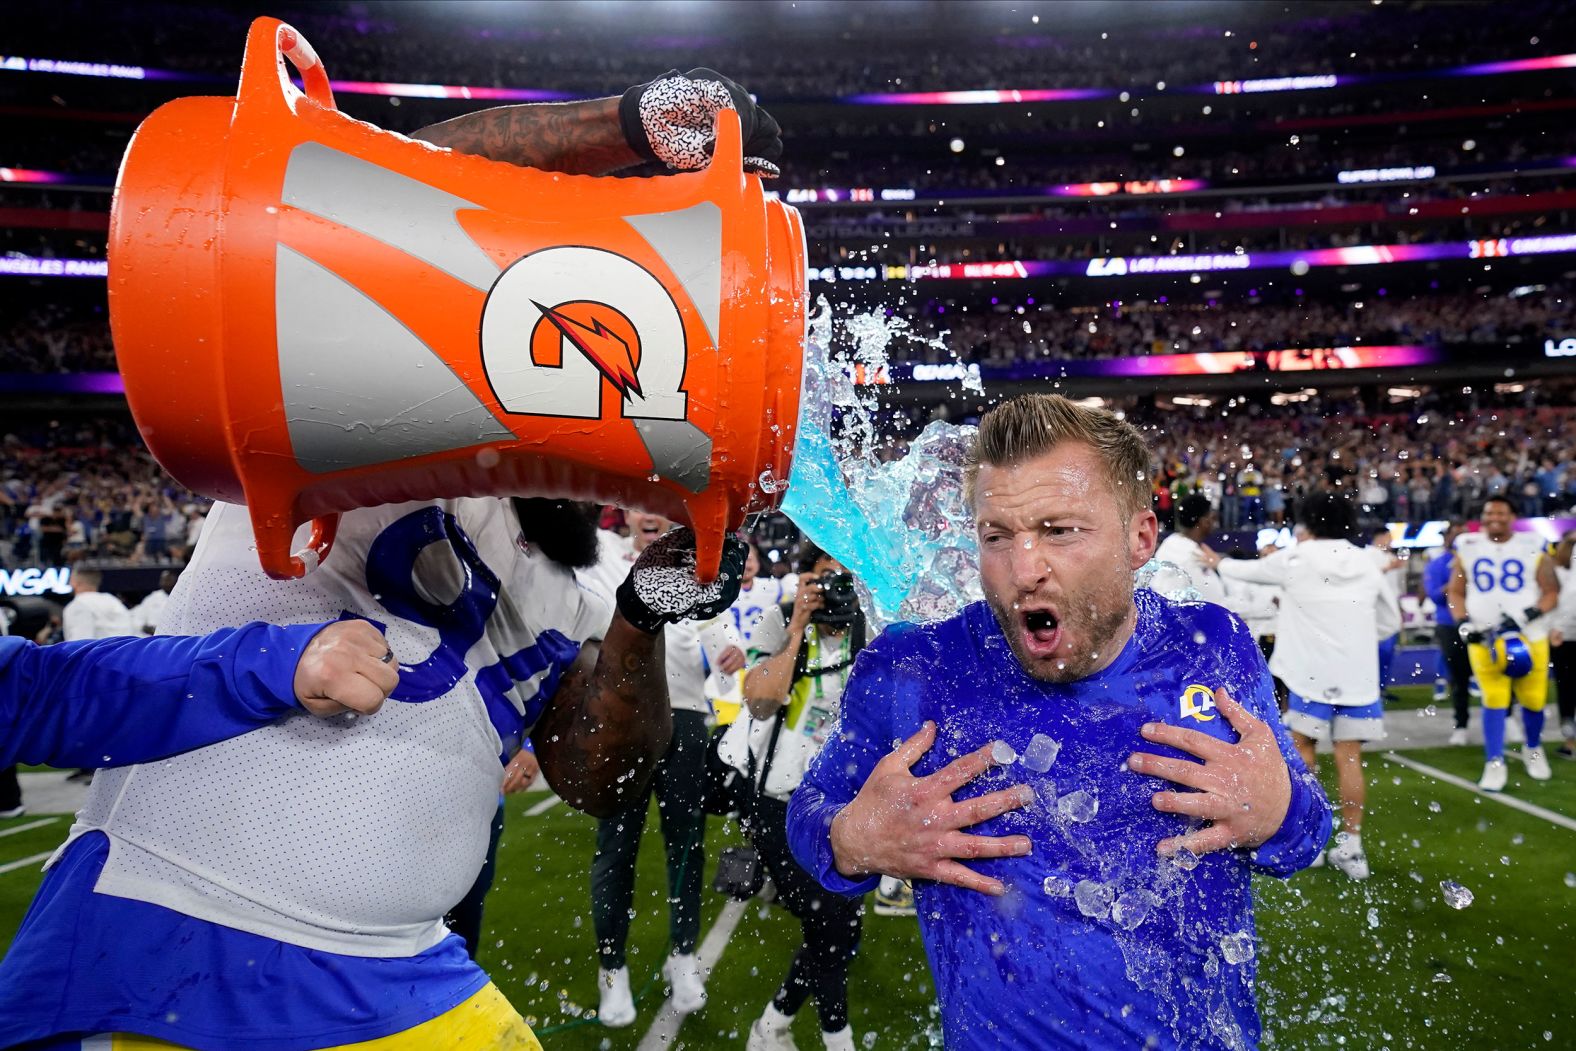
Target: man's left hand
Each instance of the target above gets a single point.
(673, 120)
(1242, 789)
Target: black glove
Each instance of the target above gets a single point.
(661, 587)
(673, 119)
(1532, 613)
(1472, 634)
(1507, 625)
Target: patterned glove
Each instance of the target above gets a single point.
(673, 120)
(661, 587)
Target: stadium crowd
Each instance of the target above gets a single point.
(87, 489)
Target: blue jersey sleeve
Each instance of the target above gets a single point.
(862, 737)
(1306, 827)
(112, 702)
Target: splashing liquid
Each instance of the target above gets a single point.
(902, 526)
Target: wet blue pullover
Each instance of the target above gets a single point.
(110, 702)
(1436, 580)
(1033, 969)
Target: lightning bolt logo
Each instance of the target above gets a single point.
(604, 349)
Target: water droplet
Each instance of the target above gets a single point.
(1434, 807)
(1456, 896)
(1373, 918)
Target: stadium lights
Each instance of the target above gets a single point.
(972, 97)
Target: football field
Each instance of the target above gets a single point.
(1384, 964)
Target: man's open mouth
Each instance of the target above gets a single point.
(1041, 631)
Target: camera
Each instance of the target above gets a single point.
(840, 603)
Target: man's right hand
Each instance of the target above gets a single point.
(1472, 634)
(806, 600)
(347, 667)
(673, 120)
(910, 827)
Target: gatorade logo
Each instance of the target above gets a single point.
(562, 325)
(1196, 701)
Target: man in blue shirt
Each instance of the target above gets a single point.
(1100, 907)
(1452, 651)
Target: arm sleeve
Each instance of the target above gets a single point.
(839, 771)
(1306, 827)
(1270, 570)
(112, 702)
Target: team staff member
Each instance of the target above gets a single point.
(1334, 609)
(1504, 582)
(1447, 634)
(1099, 924)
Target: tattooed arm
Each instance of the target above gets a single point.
(579, 138)
(608, 723)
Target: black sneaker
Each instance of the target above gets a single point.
(1566, 750)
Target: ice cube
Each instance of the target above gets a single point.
(1079, 806)
(1002, 754)
(1094, 899)
(1057, 887)
(1041, 753)
(1456, 896)
(1237, 948)
(1130, 910)
(1185, 859)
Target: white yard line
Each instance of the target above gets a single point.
(1499, 797)
(40, 823)
(24, 862)
(666, 1026)
(544, 806)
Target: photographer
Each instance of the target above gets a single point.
(793, 696)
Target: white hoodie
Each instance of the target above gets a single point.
(1331, 619)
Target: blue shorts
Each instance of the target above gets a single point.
(1323, 721)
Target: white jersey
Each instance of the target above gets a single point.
(353, 834)
(765, 593)
(1391, 581)
(1188, 556)
(1331, 606)
(146, 615)
(681, 642)
(1502, 578)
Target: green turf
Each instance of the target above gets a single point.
(1384, 964)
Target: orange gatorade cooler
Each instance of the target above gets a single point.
(313, 314)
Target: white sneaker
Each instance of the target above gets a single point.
(842, 1040)
(689, 984)
(1458, 736)
(617, 1008)
(1494, 776)
(1537, 764)
(1514, 734)
(766, 1036)
(16, 811)
(1348, 857)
